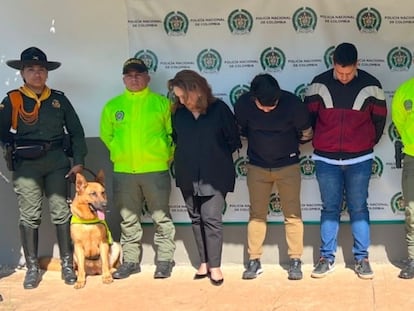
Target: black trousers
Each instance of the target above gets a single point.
(206, 220)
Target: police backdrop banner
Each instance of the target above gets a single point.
(229, 42)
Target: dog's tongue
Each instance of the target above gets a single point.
(101, 215)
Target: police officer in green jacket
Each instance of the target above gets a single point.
(136, 128)
(33, 123)
(403, 118)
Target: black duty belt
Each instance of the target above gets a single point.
(47, 145)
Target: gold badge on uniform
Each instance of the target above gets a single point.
(55, 103)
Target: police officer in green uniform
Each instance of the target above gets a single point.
(33, 120)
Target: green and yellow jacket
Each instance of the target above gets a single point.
(136, 129)
(403, 115)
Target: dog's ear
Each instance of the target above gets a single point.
(100, 178)
(81, 183)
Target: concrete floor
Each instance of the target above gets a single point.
(341, 290)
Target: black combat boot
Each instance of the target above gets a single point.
(29, 238)
(66, 253)
(408, 271)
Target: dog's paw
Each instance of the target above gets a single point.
(79, 284)
(107, 279)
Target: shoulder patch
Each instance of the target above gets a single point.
(57, 92)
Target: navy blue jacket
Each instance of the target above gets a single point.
(274, 136)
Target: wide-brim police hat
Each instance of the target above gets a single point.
(33, 56)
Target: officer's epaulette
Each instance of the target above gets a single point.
(8, 93)
(57, 92)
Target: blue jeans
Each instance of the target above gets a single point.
(349, 183)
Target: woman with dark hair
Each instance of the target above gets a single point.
(206, 135)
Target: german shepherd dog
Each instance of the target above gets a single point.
(94, 250)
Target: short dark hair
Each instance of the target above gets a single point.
(265, 89)
(345, 54)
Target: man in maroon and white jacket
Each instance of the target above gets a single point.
(348, 114)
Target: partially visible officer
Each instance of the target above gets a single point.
(403, 118)
(32, 129)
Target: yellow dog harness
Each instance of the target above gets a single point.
(77, 220)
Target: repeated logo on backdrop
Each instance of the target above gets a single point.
(149, 58)
(237, 91)
(209, 61)
(304, 20)
(307, 167)
(368, 20)
(241, 166)
(397, 204)
(328, 56)
(294, 43)
(240, 22)
(399, 58)
(300, 90)
(176, 24)
(393, 133)
(377, 167)
(272, 59)
(275, 207)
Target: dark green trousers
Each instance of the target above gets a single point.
(135, 194)
(44, 177)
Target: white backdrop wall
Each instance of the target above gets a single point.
(228, 42)
(231, 43)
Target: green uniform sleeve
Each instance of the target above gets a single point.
(77, 135)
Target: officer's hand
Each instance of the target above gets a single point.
(74, 170)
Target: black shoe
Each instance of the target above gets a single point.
(295, 272)
(163, 269)
(200, 276)
(322, 268)
(126, 269)
(408, 271)
(32, 278)
(254, 268)
(216, 282)
(363, 269)
(68, 275)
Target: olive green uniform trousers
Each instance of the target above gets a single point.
(135, 194)
(35, 178)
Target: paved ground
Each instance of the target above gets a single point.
(272, 291)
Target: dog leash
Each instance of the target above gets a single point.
(71, 180)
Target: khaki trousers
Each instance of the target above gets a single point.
(260, 182)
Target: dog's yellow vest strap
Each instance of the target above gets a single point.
(77, 220)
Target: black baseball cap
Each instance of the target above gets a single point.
(134, 64)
